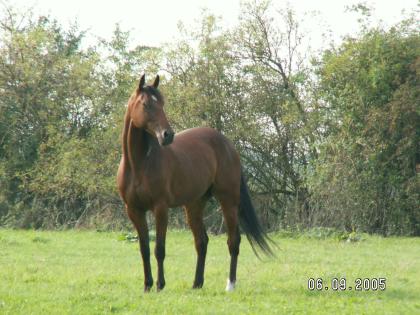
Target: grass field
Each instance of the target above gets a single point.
(86, 272)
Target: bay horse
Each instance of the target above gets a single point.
(161, 170)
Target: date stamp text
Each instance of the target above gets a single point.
(341, 284)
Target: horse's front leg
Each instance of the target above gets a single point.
(139, 220)
(161, 216)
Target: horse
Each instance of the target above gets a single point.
(160, 170)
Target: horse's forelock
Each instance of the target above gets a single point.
(152, 91)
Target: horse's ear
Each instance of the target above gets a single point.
(142, 81)
(156, 83)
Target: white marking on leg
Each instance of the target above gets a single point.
(230, 286)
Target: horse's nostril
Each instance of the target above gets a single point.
(167, 136)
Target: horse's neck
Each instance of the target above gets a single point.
(139, 144)
(136, 145)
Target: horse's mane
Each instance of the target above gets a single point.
(130, 133)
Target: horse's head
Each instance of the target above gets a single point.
(146, 111)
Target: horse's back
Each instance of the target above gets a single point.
(203, 133)
(194, 139)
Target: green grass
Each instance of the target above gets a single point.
(85, 272)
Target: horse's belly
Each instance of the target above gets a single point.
(185, 196)
(191, 185)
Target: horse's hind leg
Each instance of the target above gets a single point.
(230, 213)
(139, 220)
(194, 214)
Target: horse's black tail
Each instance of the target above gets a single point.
(250, 224)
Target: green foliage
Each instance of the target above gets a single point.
(366, 174)
(60, 121)
(45, 79)
(329, 145)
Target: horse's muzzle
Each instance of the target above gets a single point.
(167, 137)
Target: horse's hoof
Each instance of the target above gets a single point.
(230, 286)
(147, 288)
(197, 285)
(160, 286)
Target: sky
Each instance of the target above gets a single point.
(154, 22)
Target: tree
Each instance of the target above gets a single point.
(366, 176)
(62, 107)
(269, 45)
(43, 79)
